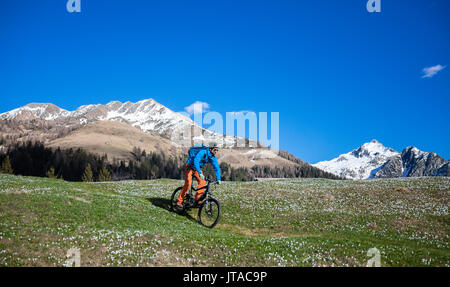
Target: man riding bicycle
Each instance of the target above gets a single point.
(198, 157)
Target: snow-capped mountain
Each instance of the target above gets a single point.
(148, 115)
(359, 163)
(373, 160)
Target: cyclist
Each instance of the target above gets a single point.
(198, 158)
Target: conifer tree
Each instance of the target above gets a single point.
(6, 166)
(88, 175)
(104, 175)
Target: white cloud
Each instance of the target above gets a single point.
(197, 108)
(431, 71)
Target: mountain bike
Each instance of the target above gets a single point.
(208, 211)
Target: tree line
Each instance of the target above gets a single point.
(34, 159)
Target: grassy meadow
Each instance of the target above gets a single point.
(286, 222)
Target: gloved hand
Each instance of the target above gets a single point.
(202, 176)
(219, 182)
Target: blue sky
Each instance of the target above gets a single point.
(338, 75)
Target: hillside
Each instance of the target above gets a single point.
(117, 140)
(295, 222)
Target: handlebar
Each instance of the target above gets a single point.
(208, 182)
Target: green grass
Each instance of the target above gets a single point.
(292, 222)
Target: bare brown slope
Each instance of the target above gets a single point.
(115, 139)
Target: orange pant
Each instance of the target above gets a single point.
(188, 172)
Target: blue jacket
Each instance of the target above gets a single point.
(203, 157)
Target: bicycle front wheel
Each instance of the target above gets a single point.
(209, 213)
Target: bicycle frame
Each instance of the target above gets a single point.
(205, 197)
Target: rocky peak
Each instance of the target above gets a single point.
(419, 163)
(44, 111)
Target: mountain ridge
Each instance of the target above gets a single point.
(117, 128)
(55, 126)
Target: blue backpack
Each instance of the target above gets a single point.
(193, 151)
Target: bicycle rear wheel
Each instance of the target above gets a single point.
(209, 213)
